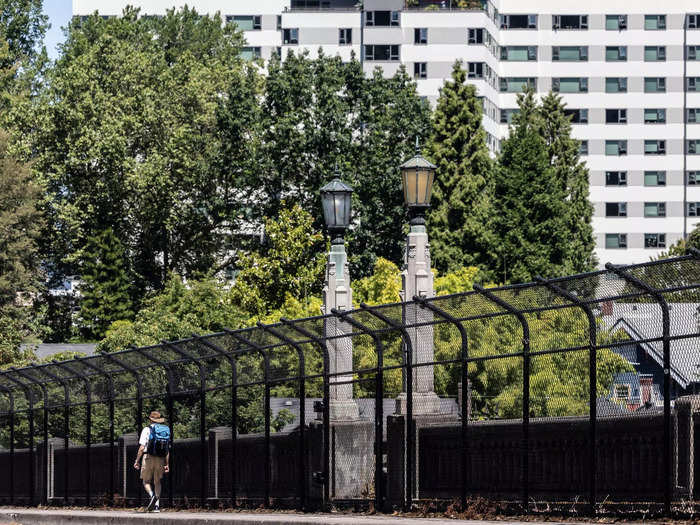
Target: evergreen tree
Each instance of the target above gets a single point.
(106, 285)
(20, 277)
(563, 152)
(531, 221)
(459, 222)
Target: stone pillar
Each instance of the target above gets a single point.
(686, 412)
(216, 436)
(417, 280)
(338, 294)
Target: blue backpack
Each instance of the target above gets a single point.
(159, 440)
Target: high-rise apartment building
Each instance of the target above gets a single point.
(628, 71)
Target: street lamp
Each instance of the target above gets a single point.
(336, 198)
(417, 176)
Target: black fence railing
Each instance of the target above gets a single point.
(579, 391)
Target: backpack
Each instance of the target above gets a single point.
(159, 440)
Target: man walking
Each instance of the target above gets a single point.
(154, 447)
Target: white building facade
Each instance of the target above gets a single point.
(628, 71)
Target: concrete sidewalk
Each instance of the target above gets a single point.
(106, 517)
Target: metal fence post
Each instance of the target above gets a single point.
(526, 385)
(302, 410)
(234, 408)
(408, 363)
(326, 403)
(202, 418)
(592, 381)
(45, 459)
(30, 416)
(66, 425)
(110, 408)
(170, 389)
(88, 426)
(266, 371)
(379, 478)
(11, 396)
(666, 328)
(464, 451)
(139, 398)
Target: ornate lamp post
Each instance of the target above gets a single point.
(336, 198)
(418, 175)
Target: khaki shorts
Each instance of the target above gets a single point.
(152, 468)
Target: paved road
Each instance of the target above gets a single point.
(103, 517)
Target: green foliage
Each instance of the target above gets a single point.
(20, 276)
(291, 262)
(181, 309)
(542, 214)
(151, 171)
(383, 286)
(106, 285)
(23, 25)
(680, 247)
(459, 222)
(315, 114)
(572, 174)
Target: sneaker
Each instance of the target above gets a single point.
(157, 507)
(152, 503)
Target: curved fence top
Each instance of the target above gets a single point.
(638, 294)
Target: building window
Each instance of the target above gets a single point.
(616, 53)
(654, 85)
(654, 53)
(583, 147)
(616, 178)
(279, 22)
(622, 392)
(654, 22)
(517, 84)
(615, 22)
(694, 178)
(518, 21)
(693, 21)
(250, 53)
(693, 53)
(570, 22)
(420, 35)
(692, 83)
(290, 36)
(616, 116)
(655, 209)
(654, 116)
(655, 147)
(475, 70)
(570, 53)
(616, 85)
(345, 36)
(655, 178)
(507, 115)
(420, 70)
(693, 115)
(382, 18)
(616, 147)
(245, 23)
(655, 240)
(577, 116)
(694, 147)
(616, 209)
(570, 84)
(382, 52)
(694, 209)
(475, 35)
(615, 240)
(519, 53)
